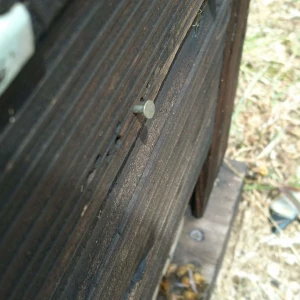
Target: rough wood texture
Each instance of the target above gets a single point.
(232, 57)
(61, 157)
(215, 226)
(142, 212)
(91, 194)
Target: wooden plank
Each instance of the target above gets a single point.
(215, 226)
(142, 211)
(90, 194)
(74, 133)
(232, 57)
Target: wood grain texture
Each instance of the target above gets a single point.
(153, 189)
(90, 194)
(229, 79)
(62, 156)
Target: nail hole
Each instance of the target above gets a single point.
(108, 155)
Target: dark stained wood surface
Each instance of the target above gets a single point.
(229, 79)
(215, 226)
(60, 159)
(90, 194)
(156, 191)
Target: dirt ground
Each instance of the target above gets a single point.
(265, 133)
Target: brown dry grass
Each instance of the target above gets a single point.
(265, 134)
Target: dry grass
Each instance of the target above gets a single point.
(265, 134)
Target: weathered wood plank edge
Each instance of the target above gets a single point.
(209, 253)
(232, 57)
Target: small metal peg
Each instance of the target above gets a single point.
(197, 235)
(147, 109)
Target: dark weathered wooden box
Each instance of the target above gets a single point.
(92, 194)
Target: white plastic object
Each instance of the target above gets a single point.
(16, 43)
